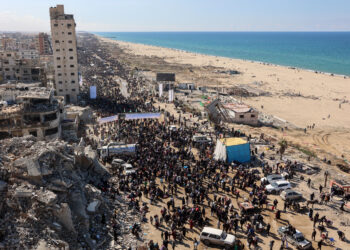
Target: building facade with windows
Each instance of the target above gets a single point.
(64, 45)
(14, 68)
(43, 44)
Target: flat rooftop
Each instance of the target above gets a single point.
(36, 93)
(237, 108)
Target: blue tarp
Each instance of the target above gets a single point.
(239, 153)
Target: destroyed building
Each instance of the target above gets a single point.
(247, 91)
(50, 196)
(29, 109)
(232, 113)
(13, 67)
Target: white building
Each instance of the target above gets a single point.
(64, 45)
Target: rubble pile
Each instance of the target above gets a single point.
(51, 196)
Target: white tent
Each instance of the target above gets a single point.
(220, 151)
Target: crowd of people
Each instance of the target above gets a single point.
(178, 177)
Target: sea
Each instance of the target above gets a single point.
(318, 51)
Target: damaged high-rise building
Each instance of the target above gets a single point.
(64, 45)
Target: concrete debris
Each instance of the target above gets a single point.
(57, 226)
(51, 196)
(33, 168)
(64, 215)
(3, 185)
(93, 206)
(23, 192)
(47, 197)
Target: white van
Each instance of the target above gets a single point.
(116, 163)
(215, 236)
(128, 169)
(201, 139)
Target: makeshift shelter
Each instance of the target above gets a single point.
(232, 149)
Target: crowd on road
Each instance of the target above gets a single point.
(178, 187)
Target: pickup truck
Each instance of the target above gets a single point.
(294, 237)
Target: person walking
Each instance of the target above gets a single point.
(320, 188)
(283, 240)
(313, 235)
(272, 242)
(195, 244)
(319, 244)
(268, 227)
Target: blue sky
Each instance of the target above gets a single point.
(182, 15)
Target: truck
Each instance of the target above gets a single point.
(116, 149)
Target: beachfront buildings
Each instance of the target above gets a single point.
(239, 113)
(64, 45)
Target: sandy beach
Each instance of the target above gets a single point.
(319, 93)
(301, 97)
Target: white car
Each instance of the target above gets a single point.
(117, 162)
(128, 169)
(201, 139)
(278, 186)
(215, 236)
(272, 178)
(290, 195)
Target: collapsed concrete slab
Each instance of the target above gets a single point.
(23, 192)
(87, 158)
(93, 206)
(78, 204)
(47, 197)
(33, 168)
(64, 215)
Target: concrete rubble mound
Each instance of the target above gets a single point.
(53, 196)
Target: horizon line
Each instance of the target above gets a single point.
(276, 31)
(197, 31)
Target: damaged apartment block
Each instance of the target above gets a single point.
(30, 110)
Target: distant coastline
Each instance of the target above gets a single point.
(331, 64)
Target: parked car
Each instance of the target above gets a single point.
(278, 186)
(201, 139)
(116, 163)
(128, 169)
(291, 195)
(215, 236)
(294, 237)
(272, 178)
